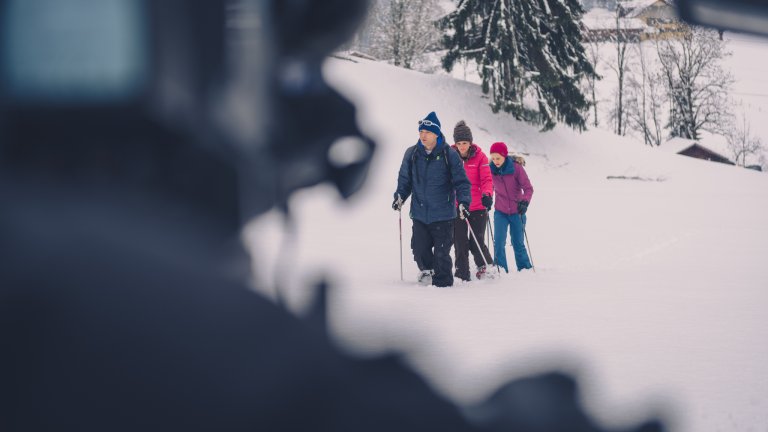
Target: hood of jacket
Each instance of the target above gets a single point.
(438, 147)
(508, 167)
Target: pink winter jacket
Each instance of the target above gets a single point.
(511, 184)
(479, 174)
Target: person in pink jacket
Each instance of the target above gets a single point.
(513, 194)
(479, 174)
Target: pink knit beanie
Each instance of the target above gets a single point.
(500, 148)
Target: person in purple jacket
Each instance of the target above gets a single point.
(513, 194)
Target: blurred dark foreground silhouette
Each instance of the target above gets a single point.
(136, 137)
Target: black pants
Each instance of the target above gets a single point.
(465, 243)
(431, 245)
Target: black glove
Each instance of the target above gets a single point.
(463, 212)
(397, 204)
(487, 202)
(522, 207)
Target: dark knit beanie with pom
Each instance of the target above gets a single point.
(462, 132)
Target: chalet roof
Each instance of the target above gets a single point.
(677, 145)
(603, 19)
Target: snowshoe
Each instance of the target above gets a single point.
(484, 272)
(462, 276)
(425, 277)
(481, 272)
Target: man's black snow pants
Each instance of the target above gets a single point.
(466, 243)
(431, 245)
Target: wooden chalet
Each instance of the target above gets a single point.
(694, 149)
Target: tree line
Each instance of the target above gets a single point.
(535, 60)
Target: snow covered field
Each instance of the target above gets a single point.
(653, 291)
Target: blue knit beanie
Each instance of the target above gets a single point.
(431, 123)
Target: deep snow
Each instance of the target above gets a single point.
(652, 291)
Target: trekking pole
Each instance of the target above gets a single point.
(530, 253)
(493, 239)
(472, 232)
(400, 224)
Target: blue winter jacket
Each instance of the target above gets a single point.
(436, 186)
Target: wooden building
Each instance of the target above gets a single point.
(694, 149)
(659, 15)
(601, 25)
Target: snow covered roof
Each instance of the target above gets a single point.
(634, 4)
(676, 145)
(636, 7)
(637, 4)
(712, 143)
(603, 19)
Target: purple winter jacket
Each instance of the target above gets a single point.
(511, 184)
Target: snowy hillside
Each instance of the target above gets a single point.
(651, 285)
(745, 63)
(748, 93)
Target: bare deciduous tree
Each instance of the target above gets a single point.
(696, 81)
(622, 39)
(404, 30)
(592, 48)
(645, 99)
(741, 142)
(762, 161)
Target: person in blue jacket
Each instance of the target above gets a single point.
(435, 178)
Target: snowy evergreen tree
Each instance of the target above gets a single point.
(529, 55)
